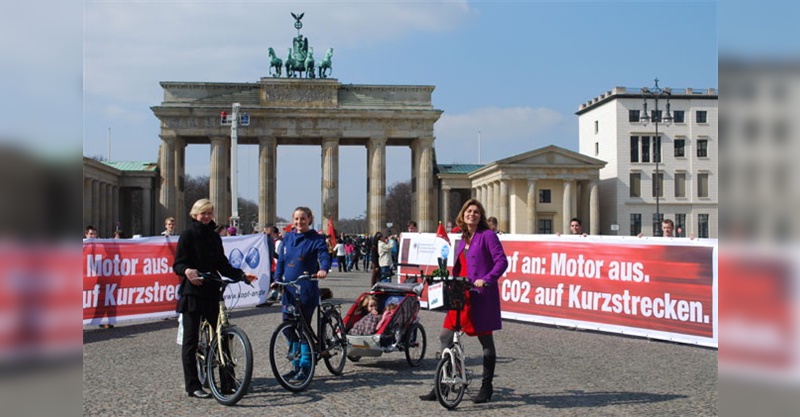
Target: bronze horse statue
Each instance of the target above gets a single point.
(326, 66)
(275, 63)
(295, 68)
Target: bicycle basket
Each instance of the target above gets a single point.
(454, 295)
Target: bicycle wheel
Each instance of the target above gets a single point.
(229, 376)
(286, 357)
(415, 344)
(202, 353)
(334, 342)
(448, 386)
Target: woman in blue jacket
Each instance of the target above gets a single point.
(481, 258)
(303, 251)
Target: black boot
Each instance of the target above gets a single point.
(431, 396)
(485, 394)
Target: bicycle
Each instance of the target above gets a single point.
(452, 377)
(286, 346)
(224, 354)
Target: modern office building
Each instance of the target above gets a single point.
(681, 169)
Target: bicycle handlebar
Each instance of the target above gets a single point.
(215, 276)
(463, 281)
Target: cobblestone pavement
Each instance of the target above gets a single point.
(135, 370)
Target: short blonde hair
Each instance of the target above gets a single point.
(200, 206)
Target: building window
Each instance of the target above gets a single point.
(657, 149)
(658, 184)
(655, 115)
(634, 149)
(544, 196)
(680, 185)
(702, 116)
(596, 126)
(658, 218)
(702, 185)
(702, 148)
(645, 148)
(636, 224)
(680, 148)
(633, 116)
(677, 116)
(636, 184)
(545, 226)
(680, 224)
(702, 225)
(596, 148)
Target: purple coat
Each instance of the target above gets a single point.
(486, 260)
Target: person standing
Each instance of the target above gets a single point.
(411, 227)
(667, 228)
(492, 222)
(385, 258)
(90, 232)
(200, 250)
(341, 255)
(373, 258)
(304, 251)
(169, 227)
(481, 258)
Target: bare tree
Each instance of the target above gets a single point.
(398, 205)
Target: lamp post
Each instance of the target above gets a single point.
(234, 122)
(656, 93)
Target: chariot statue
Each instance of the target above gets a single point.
(300, 59)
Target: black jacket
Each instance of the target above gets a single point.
(200, 247)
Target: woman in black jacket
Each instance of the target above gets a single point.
(200, 250)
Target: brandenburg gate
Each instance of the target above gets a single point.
(298, 111)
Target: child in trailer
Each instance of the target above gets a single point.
(367, 324)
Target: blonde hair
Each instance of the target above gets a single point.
(365, 302)
(200, 206)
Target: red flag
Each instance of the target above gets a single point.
(288, 227)
(331, 232)
(440, 232)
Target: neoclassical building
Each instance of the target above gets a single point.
(314, 112)
(533, 192)
(120, 195)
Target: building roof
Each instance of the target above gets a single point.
(458, 168)
(628, 92)
(132, 165)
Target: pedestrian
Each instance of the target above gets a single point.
(304, 251)
(575, 227)
(492, 222)
(481, 258)
(385, 258)
(169, 227)
(90, 232)
(349, 248)
(411, 227)
(200, 250)
(373, 258)
(341, 255)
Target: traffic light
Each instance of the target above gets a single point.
(223, 117)
(245, 119)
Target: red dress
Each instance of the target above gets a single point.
(466, 313)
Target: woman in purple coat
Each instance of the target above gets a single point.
(481, 258)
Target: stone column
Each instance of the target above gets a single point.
(114, 209)
(425, 186)
(87, 201)
(594, 207)
(95, 220)
(105, 222)
(445, 204)
(567, 209)
(147, 214)
(330, 181)
(267, 183)
(495, 199)
(376, 184)
(502, 213)
(218, 180)
(532, 206)
(167, 191)
(180, 212)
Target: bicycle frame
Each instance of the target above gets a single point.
(298, 316)
(457, 360)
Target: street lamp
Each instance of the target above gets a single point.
(234, 122)
(656, 93)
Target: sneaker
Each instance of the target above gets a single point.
(290, 375)
(299, 377)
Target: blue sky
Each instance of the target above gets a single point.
(516, 71)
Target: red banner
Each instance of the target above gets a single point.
(654, 287)
(128, 278)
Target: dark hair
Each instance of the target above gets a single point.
(669, 222)
(575, 219)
